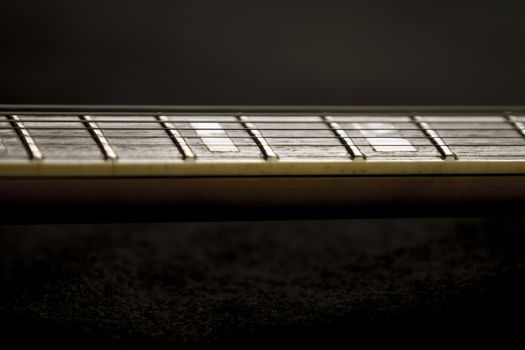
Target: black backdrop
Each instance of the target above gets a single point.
(163, 284)
(262, 52)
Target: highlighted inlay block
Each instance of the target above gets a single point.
(385, 137)
(214, 137)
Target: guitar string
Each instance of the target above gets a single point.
(511, 124)
(273, 119)
(489, 129)
(186, 121)
(43, 137)
(422, 148)
(54, 136)
(429, 144)
(243, 129)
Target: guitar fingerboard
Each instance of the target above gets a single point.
(242, 142)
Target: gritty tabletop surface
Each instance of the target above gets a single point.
(195, 283)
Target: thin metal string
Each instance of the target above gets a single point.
(212, 120)
(130, 137)
(378, 156)
(42, 141)
(147, 145)
(242, 129)
(291, 129)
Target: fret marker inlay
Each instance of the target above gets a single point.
(444, 150)
(26, 138)
(214, 137)
(176, 137)
(385, 138)
(100, 138)
(258, 137)
(353, 150)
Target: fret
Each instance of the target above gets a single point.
(3, 149)
(441, 146)
(178, 140)
(99, 137)
(32, 148)
(353, 150)
(13, 146)
(258, 137)
(516, 123)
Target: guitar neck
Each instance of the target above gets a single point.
(69, 141)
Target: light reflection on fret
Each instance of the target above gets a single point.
(3, 149)
(258, 137)
(440, 144)
(26, 138)
(99, 137)
(178, 140)
(517, 124)
(341, 134)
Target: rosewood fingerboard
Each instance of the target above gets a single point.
(240, 141)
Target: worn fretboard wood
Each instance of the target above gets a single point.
(167, 143)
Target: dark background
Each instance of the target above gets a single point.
(262, 52)
(261, 282)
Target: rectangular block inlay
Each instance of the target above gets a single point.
(385, 137)
(214, 137)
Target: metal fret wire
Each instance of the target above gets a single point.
(177, 139)
(344, 138)
(259, 139)
(99, 137)
(436, 139)
(27, 140)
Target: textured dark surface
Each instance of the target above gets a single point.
(193, 283)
